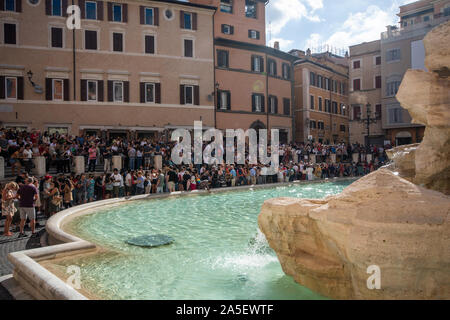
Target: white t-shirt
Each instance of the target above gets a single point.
(28, 153)
(117, 178)
(128, 180)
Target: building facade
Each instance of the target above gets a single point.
(366, 82)
(321, 97)
(138, 68)
(253, 82)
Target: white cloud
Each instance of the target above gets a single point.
(359, 27)
(285, 44)
(293, 10)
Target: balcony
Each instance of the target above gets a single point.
(395, 33)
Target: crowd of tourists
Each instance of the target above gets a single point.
(28, 195)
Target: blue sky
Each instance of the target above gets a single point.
(299, 24)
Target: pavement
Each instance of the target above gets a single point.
(13, 244)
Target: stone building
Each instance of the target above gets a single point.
(138, 68)
(365, 77)
(321, 97)
(253, 82)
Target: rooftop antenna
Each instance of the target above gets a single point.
(270, 31)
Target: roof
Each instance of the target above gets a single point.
(189, 4)
(254, 47)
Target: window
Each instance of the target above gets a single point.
(319, 81)
(327, 105)
(377, 82)
(188, 95)
(149, 92)
(250, 9)
(272, 67)
(91, 10)
(392, 88)
(227, 29)
(257, 63)
(357, 64)
(90, 39)
(335, 107)
(286, 71)
(187, 21)
(92, 90)
(378, 111)
(253, 34)
(356, 112)
(395, 115)
(447, 12)
(10, 5)
(320, 125)
(393, 55)
(312, 124)
(327, 84)
(58, 89)
(426, 18)
(342, 109)
(149, 16)
(286, 106)
(320, 104)
(11, 88)
(257, 102)
(9, 33)
(222, 58)
(118, 91)
(356, 84)
(117, 12)
(311, 102)
(188, 48)
(342, 127)
(312, 78)
(226, 6)
(57, 37)
(273, 104)
(149, 44)
(224, 100)
(56, 8)
(378, 60)
(117, 42)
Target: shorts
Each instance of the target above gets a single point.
(27, 212)
(171, 185)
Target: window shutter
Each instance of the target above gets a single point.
(157, 92)
(48, 7)
(249, 33)
(269, 104)
(48, 89)
(257, 35)
(20, 88)
(64, 7)
(197, 95)
(110, 91)
(194, 21)
(83, 90)
(181, 19)
(219, 95)
(125, 12)
(262, 104)
(142, 91)
(228, 100)
(261, 63)
(231, 30)
(100, 96)
(110, 12)
(66, 90)
(142, 15)
(253, 103)
(100, 10)
(156, 16)
(253, 62)
(222, 28)
(182, 94)
(2, 5)
(2, 86)
(126, 91)
(276, 105)
(19, 5)
(82, 5)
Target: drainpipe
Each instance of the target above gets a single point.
(293, 101)
(267, 95)
(74, 63)
(214, 72)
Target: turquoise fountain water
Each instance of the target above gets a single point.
(218, 253)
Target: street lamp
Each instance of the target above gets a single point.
(368, 120)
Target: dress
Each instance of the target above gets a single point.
(8, 207)
(91, 189)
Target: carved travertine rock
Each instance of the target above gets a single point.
(426, 96)
(382, 219)
(403, 158)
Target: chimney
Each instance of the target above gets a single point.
(276, 45)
